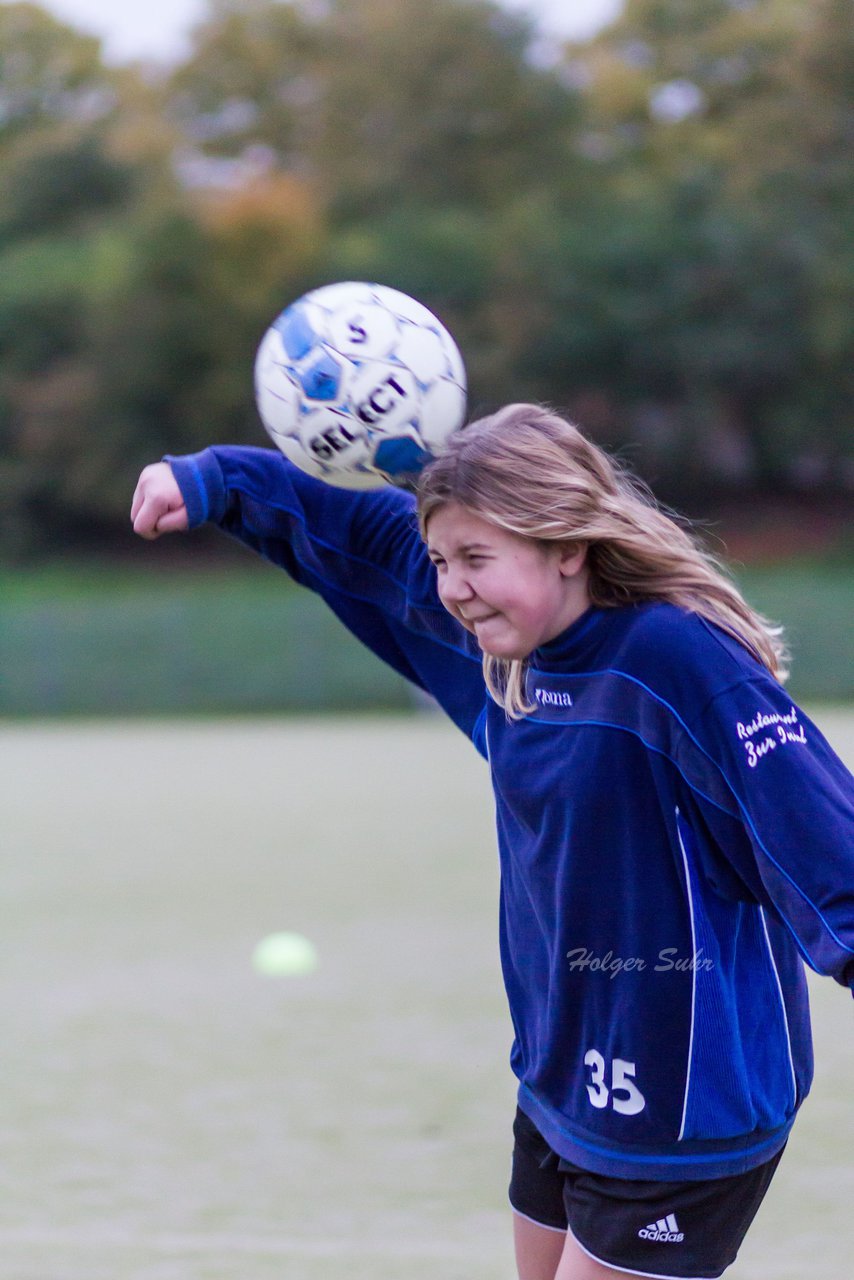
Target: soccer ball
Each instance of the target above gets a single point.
(359, 385)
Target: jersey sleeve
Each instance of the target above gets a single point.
(360, 551)
(794, 799)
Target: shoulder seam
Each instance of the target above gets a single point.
(735, 684)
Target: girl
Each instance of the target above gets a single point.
(675, 835)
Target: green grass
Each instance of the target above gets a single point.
(815, 603)
(99, 641)
(157, 638)
(167, 1114)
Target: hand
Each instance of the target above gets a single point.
(158, 506)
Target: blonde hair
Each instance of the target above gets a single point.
(531, 472)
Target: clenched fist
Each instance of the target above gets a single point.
(158, 506)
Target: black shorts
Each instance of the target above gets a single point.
(680, 1229)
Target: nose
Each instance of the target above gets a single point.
(454, 588)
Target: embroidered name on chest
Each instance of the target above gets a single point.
(552, 698)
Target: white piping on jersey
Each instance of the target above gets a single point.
(693, 977)
(782, 1006)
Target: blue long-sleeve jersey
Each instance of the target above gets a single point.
(674, 835)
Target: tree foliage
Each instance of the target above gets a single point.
(653, 231)
(727, 126)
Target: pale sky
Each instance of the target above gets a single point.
(157, 28)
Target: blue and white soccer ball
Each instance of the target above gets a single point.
(359, 385)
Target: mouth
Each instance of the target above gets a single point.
(476, 622)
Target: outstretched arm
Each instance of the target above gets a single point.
(360, 551)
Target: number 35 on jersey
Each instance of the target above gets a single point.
(616, 1088)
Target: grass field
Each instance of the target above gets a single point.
(167, 1114)
(166, 633)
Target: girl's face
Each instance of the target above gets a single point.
(511, 592)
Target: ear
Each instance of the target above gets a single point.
(573, 556)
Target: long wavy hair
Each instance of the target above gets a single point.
(531, 472)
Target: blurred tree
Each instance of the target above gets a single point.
(417, 127)
(437, 105)
(725, 127)
(74, 200)
(130, 301)
(264, 243)
(379, 101)
(654, 233)
(251, 81)
(56, 180)
(804, 181)
(49, 73)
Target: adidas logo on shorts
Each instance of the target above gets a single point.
(665, 1231)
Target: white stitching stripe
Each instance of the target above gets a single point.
(693, 976)
(782, 1006)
